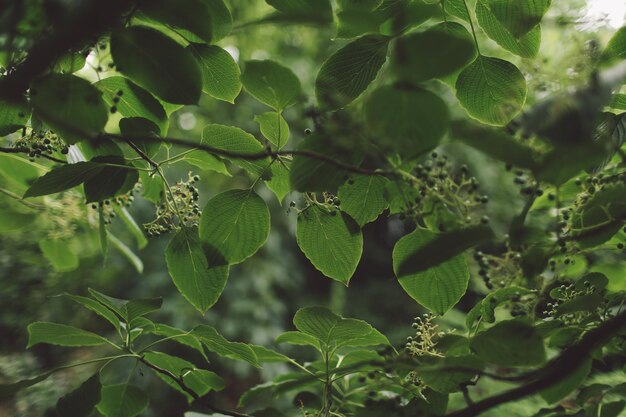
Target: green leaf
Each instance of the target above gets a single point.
(446, 375)
(616, 48)
(299, 339)
(133, 101)
(492, 90)
(9, 390)
(233, 139)
(265, 355)
(61, 335)
(220, 72)
(63, 178)
(438, 288)
(12, 220)
(271, 83)
(597, 219)
(199, 381)
(198, 281)
(71, 106)
(410, 120)
(457, 8)
(443, 247)
(179, 336)
(495, 143)
(273, 127)
(190, 17)
(575, 377)
(234, 225)
(510, 343)
(13, 116)
(111, 180)
(437, 52)
(59, 253)
(401, 196)
(158, 64)
(517, 16)
(363, 198)
(113, 304)
(81, 401)
(138, 307)
(96, 307)
(331, 330)
(526, 46)
(320, 9)
(221, 19)
(618, 102)
(122, 400)
(142, 133)
(348, 72)
(280, 183)
(216, 343)
(206, 162)
(331, 240)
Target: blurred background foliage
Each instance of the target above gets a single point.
(263, 293)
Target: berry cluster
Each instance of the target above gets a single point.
(179, 208)
(108, 206)
(505, 266)
(439, 186)
(38, 144)
(565, 293)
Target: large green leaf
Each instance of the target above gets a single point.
(600, 216)
(299, 339)
(234, 225)
(407, 119)
(188, 16)
(518, 16)
(443, 247)
(616, 48)
(221, 19)
(233, 139)
(81, 401)
(271, 83)
(348, 72)
(510, 343)
(363, 198)
(96, 307)
(132, 101)
(220, 72)
(447, 375)
(526, 46)
(216, 343)
(63, 178)
(437, 288)
(492, 90)
(179, 336)
(200, 381)
(111, 180)
(158, 64)
(62, 335)
(122, 400)
(439, 51)
(280, 183)
(71, 106)
(13, 116)
(273, 127)
(331, 240)
(200, 282)
(332, 330)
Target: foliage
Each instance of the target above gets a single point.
(413, 109)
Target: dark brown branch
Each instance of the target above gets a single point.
(555, 371)
(89, 20)
(142, 154)
(260, 155)
(181, 383)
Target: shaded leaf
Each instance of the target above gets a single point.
(122, 400)
(363, 198)
(220, 72)
(271, 83)
(61, 335)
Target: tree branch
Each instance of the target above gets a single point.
(26, 150)
(555, 371)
